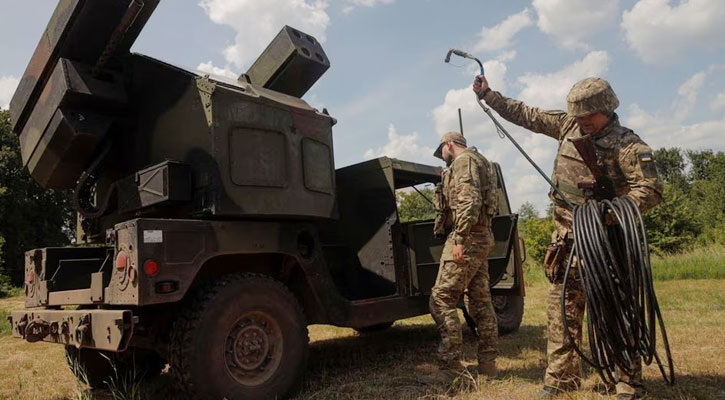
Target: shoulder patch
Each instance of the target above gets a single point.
(647, 165)
(645, 157)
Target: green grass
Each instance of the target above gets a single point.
(700, 263)
(4, 324)
(12, 292)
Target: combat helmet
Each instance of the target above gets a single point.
(591, 95)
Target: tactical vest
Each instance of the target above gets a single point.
(569, 168)
(489, 197)
(489, 194)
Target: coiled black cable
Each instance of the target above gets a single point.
(610, 248)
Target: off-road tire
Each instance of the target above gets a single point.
(366, 330)
(97, 368)
(217, 336)
(509, 313)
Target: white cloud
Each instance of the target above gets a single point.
(688, 92)
(660, 129)
(549, 90)
(657, 31)
(718, 103)
(445, 115)
(572, 21)
(8, 84)
(257, 22)
(352, 4)
(499, 36)
(404, 147)
(209, 68)
(669, 127)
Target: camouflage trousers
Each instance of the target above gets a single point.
(563, 370)
(453, 280)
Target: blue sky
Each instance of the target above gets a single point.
(392, 93)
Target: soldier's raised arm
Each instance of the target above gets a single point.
(638, 166)
(517, 112)
(467, 190)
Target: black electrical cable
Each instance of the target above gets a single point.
(612, 257)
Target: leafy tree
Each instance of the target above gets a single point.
(412, 206)
(699, 163)
(535, 231)
(31, 216)
(670, 226)
(671, 166)
(527, 211)
(707, 193)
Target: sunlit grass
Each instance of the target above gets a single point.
(388, 364)
(702, 263)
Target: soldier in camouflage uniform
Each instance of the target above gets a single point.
(465, 203)
(625, 159)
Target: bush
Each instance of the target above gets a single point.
(535, 231)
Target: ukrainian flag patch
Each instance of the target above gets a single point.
(647, 165)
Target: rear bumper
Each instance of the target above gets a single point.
(95, 329)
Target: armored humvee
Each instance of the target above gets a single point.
(213, 227)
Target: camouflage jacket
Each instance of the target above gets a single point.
(621, 155)
(466, 195)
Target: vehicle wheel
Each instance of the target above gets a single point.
(509, 312)
(97, 368)
(241, 337)
(374, 328)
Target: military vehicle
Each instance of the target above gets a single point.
(213, 227)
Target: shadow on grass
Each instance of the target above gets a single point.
(688, 387)
(390, 363)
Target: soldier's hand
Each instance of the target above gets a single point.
(480, 84)
(610, 218)
(458, 253)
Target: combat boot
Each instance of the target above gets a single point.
(487, 368)
(484, 368)
(448, 371)
(549, 392)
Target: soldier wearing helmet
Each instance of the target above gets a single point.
(465, 202)
(625, 159)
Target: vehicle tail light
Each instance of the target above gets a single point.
(150, 268)
(121, 261)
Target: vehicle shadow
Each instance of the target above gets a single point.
(390, 364)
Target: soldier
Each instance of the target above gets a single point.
(465, 202)
(625, 159)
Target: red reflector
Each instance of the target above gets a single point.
(150, 268)
(121, 260)
(31, 277)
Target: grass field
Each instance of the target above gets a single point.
(702, 263)
(386, 365)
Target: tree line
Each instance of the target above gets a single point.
(30, 216)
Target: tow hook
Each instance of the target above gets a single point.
(37, 330)
(82, 330)
(22, 324)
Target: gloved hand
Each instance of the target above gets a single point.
(480, 86)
